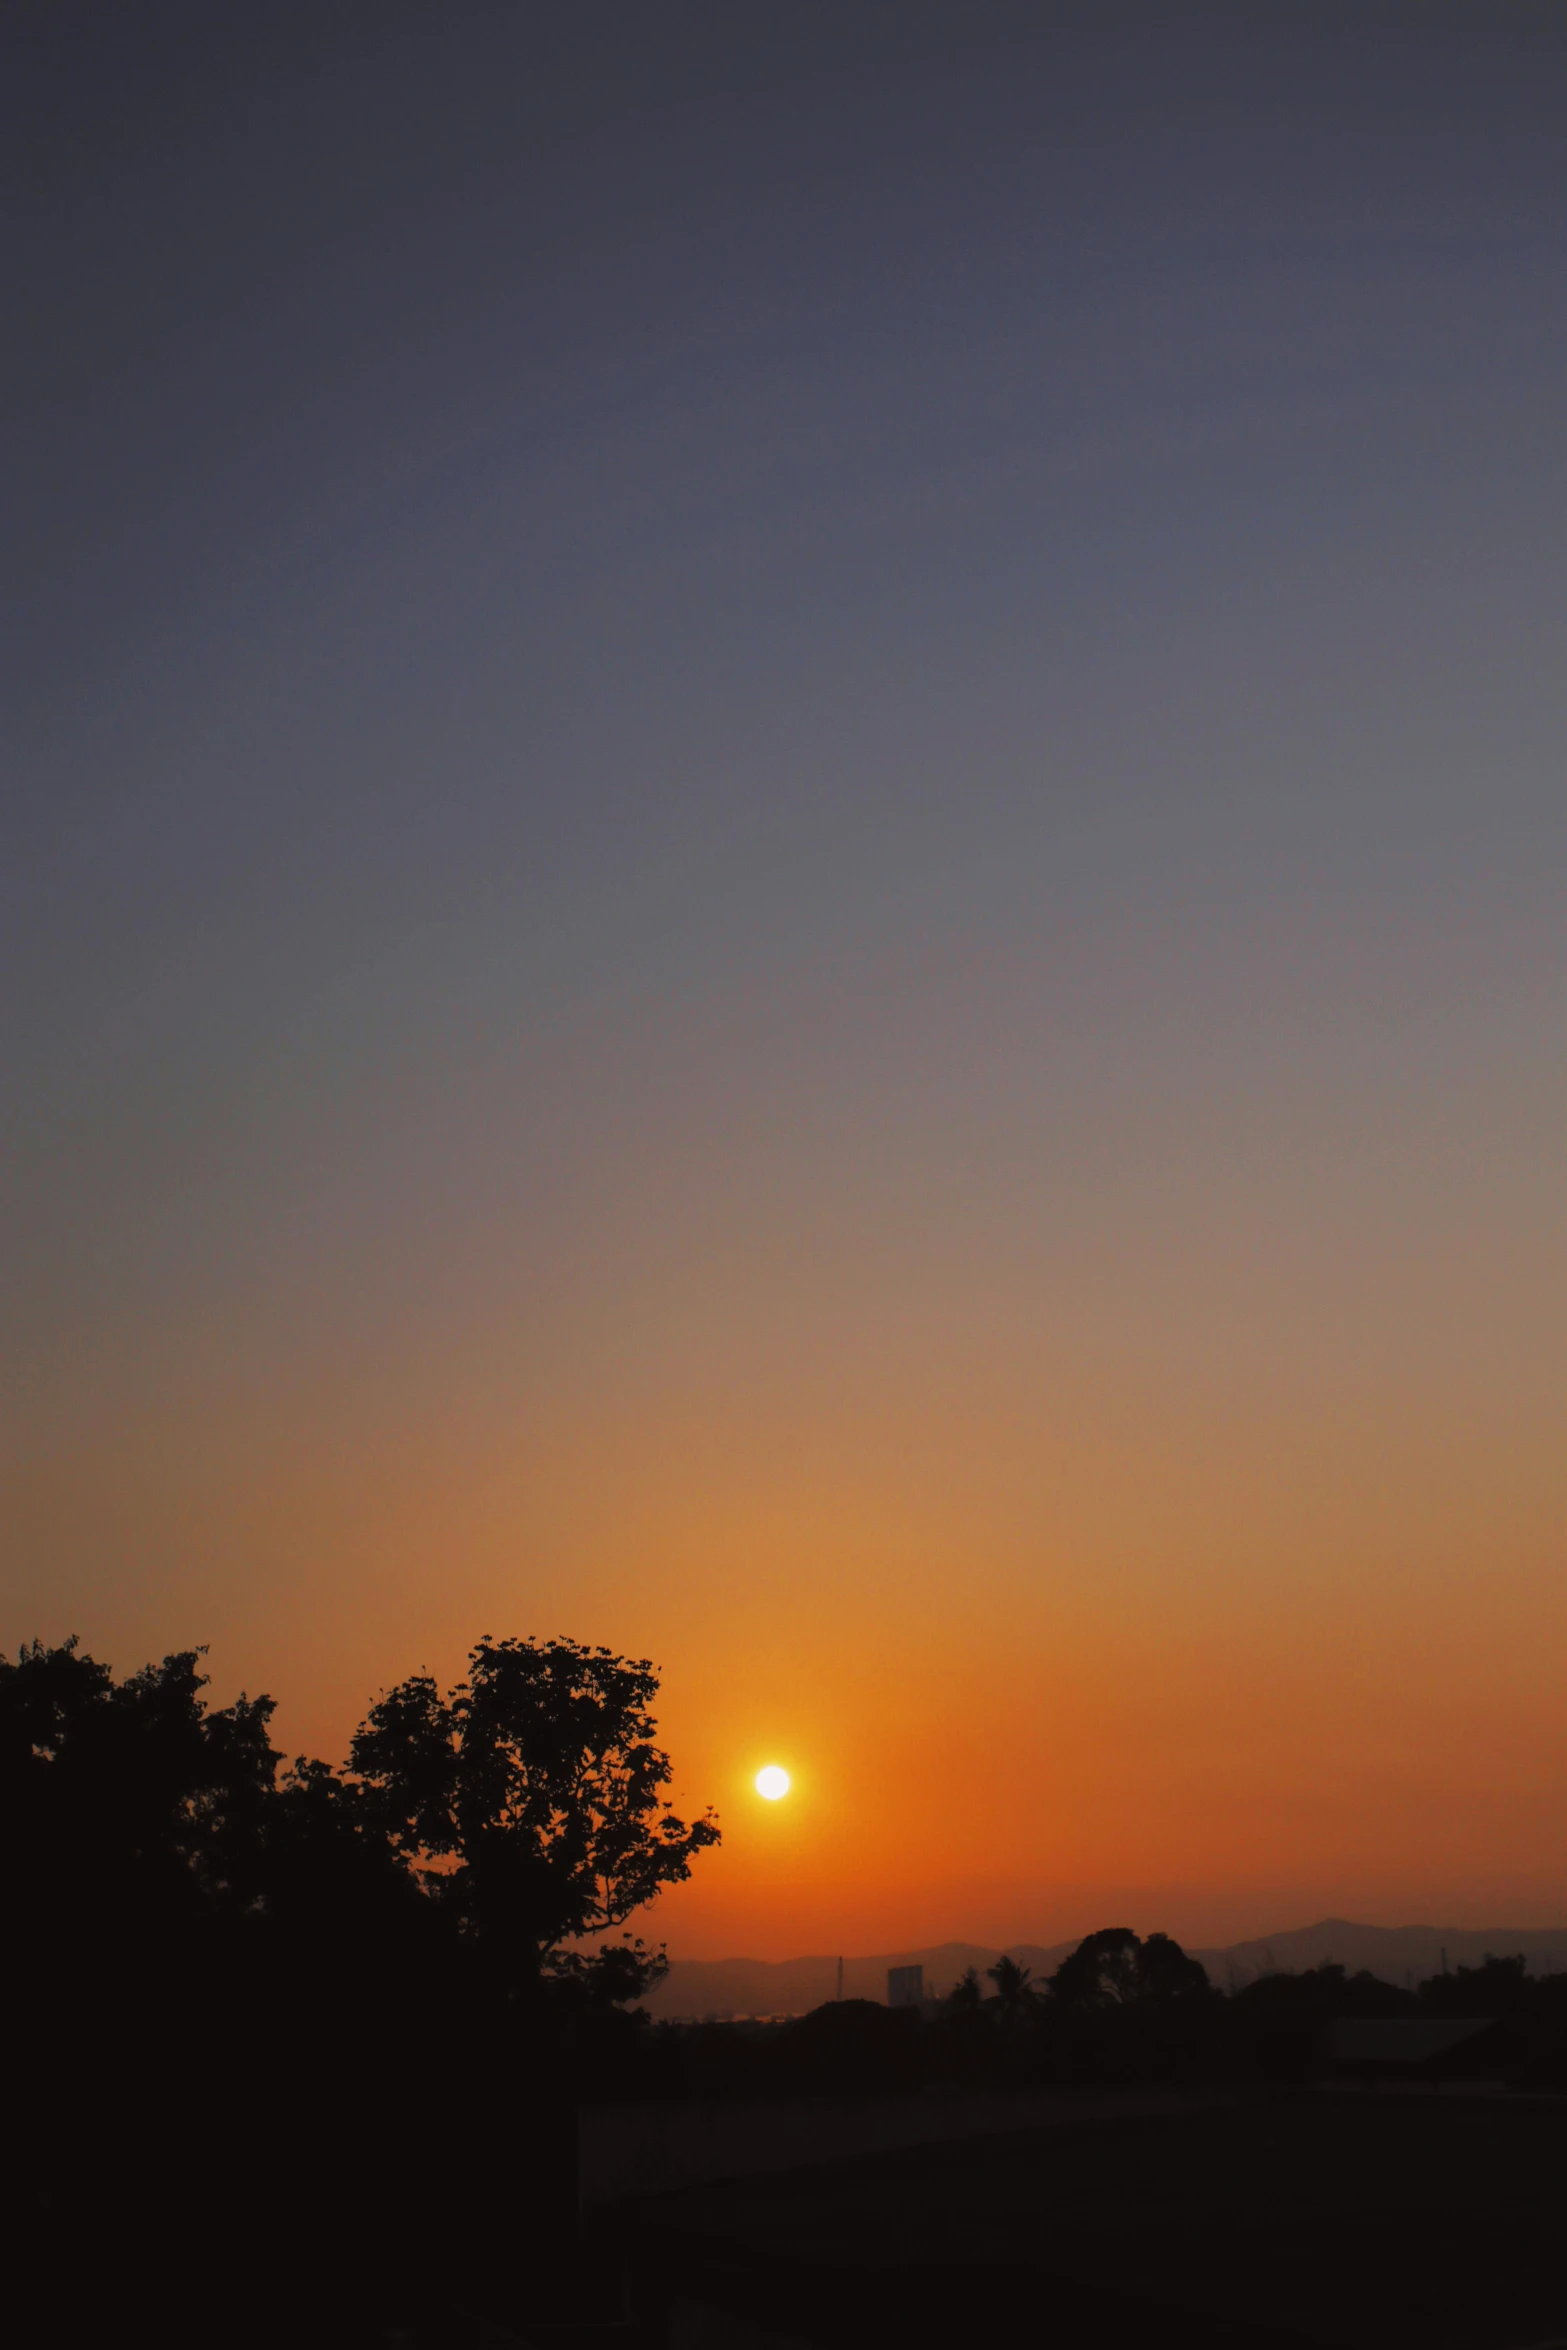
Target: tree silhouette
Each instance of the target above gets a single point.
(1014, 1990)
(129, 1798)
(530, 1803)
(1165, 1971)
(1114, 1969)
(965, 1996)
(330, 1961)
(1496, 1987)
(1101, 1972)
(331, 1875)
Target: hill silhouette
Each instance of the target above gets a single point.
(1395, 1953)
(735, 1987)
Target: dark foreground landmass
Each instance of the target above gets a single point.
(392, 2159)
(275, 2078)
(1376, 2221)
(373, 2199)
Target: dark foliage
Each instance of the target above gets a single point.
(324, 2030)
(346, 2015)
(1496, 1987)
(530, 1803)
(128, 1807)
(511, 1819)
(1118, 2011)
(1113, 1969)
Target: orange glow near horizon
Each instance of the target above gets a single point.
(1085, 1698)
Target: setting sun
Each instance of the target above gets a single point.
(772, 1782)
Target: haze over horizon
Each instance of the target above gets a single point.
(746, 1988)
(784, 884)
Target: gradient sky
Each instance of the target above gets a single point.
(784, 882)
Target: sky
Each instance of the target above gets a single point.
(783, 883)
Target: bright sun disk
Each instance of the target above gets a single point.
(772, 1782)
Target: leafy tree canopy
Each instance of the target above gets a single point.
(519, 1814)
(530, 1799)
(129, 1794)
(1015, 1993)
(1114, 1969)
(966, 1996)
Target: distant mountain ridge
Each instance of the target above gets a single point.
(1396, 1953)
(731, 1987)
